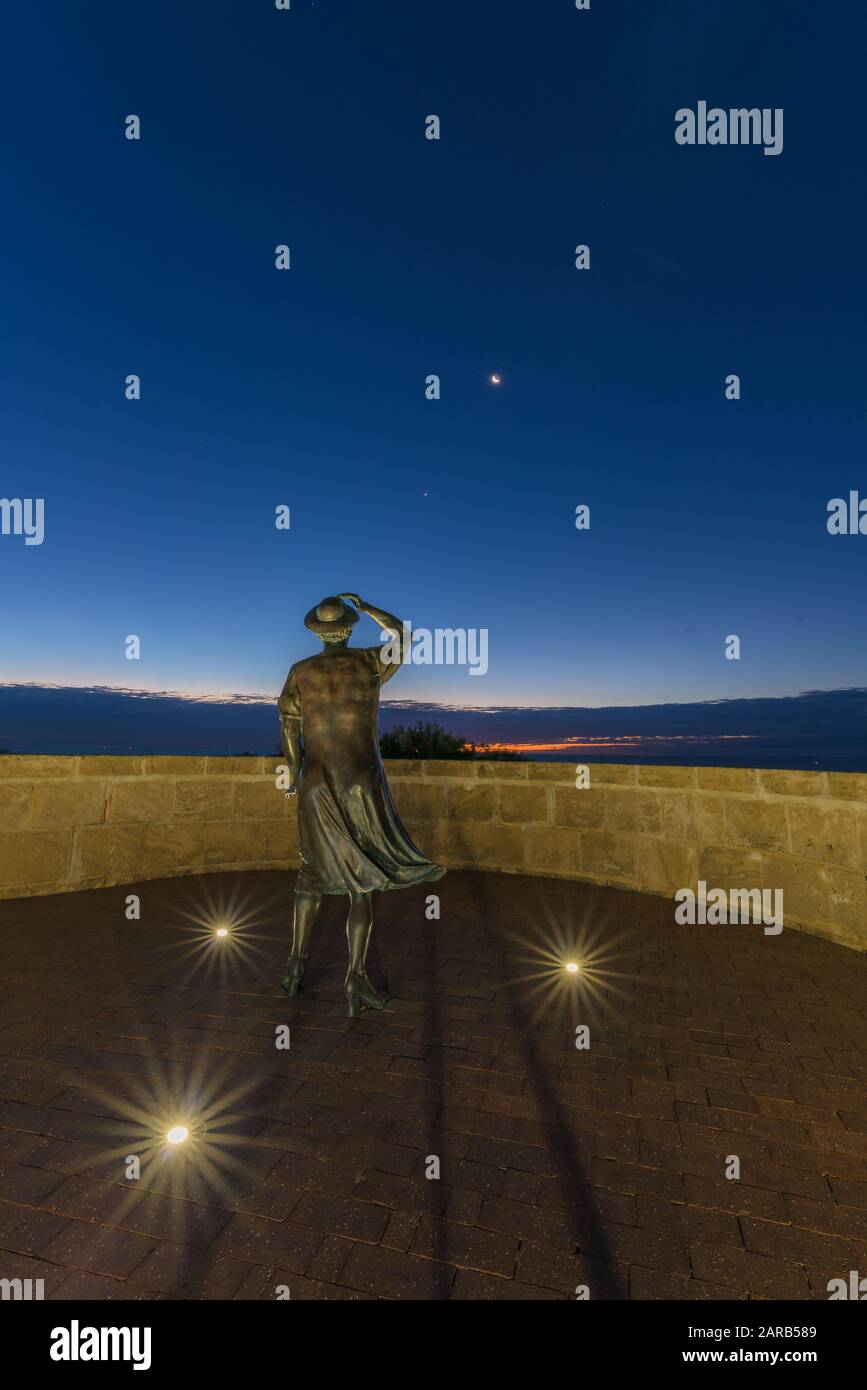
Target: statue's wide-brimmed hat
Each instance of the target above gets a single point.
(331, 615)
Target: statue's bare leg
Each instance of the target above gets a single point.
(360, 993)
(304, 914)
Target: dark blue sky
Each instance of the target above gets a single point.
(454, 257)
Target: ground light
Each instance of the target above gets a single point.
(178, 1134)
(572, 968)
(222, 932)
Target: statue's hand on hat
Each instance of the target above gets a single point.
(353, 598)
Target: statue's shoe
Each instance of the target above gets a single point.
(360, 994)
(293, 980)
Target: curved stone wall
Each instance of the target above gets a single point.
(86, 822)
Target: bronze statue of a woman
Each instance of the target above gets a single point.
(351, 837)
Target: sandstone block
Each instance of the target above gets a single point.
(234, 766)
(806, 888)
(582, 808)
(486, 844)
(722, 867)
(665, 865)
(205, 798)
(848, 903)
(497, 771)
(110, 853)
(15, 802)
(758, 824)
(628, 809)
(175, 767)
(710, 817)
(555, 772)
(29, 858)
(109, 766)
(727, 779)
(234, 842)
(25, 766)
(612, 774)
(679, 815)
(402, 767)
(523, 804)
(280, 841)
(666, 776)
(260, 800)
(552, 850)
(174, 846)
(57, 804)
(471, 803)
(608, 856)
(844, 786)
(419, 801)
(790, 782)
(140, 801)
(825, 836)
(466, 769)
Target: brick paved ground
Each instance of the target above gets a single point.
(559, 1166)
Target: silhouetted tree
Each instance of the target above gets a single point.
(432, 741)
(423, 741)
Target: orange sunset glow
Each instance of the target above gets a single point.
(637, 743)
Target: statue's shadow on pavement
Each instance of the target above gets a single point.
(422, 957)
(490, 905)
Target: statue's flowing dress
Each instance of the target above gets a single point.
(351, 837)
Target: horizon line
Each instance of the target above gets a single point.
(256, 698)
